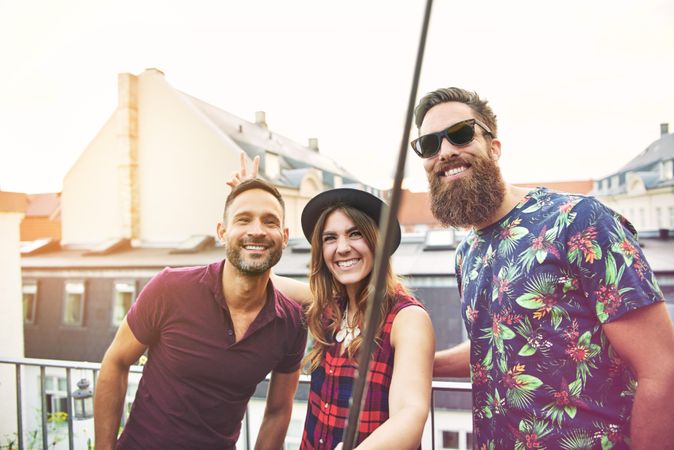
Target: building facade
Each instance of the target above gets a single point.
(643, 189)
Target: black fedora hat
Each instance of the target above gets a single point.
(364, 201)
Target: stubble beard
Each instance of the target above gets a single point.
(252, 265)
(468, 201)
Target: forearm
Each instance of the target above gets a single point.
(652, 419)
(453, 362)
(273, 429)
(401, 431)
(108, 404)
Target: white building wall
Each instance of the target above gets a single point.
(11, 331)
(184, 162)
(90, 202)
(641, 209)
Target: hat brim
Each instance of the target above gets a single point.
(364, 201)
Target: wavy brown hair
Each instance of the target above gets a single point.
(324, 314)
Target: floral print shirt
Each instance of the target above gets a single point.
(536, 288)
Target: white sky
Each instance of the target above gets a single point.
(580, 87)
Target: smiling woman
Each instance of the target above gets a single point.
(342, 226)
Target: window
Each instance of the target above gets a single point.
(598, 185)
(272, 165)
(29, 300)
(125, 292)
(665, 169)
(668, 169)
(671, 216)
(450, 439)
(469, 440)
(658, 217)
(73, 305)
(56, 394)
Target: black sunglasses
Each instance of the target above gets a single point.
(460, 134)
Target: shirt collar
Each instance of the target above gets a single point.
(212, 278)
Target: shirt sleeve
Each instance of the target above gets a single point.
(612, 269)
(145, 315)
(292, 360)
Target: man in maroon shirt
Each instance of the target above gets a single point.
(213, 333)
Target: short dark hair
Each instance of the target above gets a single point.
(455, 94)
(253, 183)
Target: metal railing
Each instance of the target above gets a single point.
(94, 368)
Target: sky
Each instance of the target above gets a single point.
(579, 87)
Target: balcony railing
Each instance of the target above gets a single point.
(69, 366)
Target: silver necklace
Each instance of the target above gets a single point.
(346, 333)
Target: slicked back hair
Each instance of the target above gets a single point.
(480, 107)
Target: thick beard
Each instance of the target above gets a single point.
(255, 267)
(468, 201)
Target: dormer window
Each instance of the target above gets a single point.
(272, 165)
(666, 169)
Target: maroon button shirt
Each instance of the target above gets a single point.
(198, 380)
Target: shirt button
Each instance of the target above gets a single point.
(320, 441)
(230, 332)
(325, 406)
(330, 371)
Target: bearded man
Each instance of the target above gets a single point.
(213, 333)
(570, 344)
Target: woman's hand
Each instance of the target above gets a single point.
(242, 174)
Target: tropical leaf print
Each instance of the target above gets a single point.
(623, 246)
(539, 248)
(520, 387)
(498, 333)
(481, 261)
(541, 295)
(509, 234)
(566, 401)
(582, 354)
(502, 285)
(566, 216)
(494, 405)
(535, 341)
(530, 434)
(577, 439)
(533, 287)
(610, 435)
(582, 247)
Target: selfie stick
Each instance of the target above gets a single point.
(384, 247)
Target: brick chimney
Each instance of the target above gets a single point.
(664, 129)
(313, 144)
(127, 165)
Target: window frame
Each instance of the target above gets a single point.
(66, 293)
(132, 284)
(26, 287)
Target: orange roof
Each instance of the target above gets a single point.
(13, 202)
(572, 187)
(415, 208)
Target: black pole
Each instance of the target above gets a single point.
(384, 247)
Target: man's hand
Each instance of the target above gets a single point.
(242, 174)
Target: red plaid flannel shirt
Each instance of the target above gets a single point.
(331, 385)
